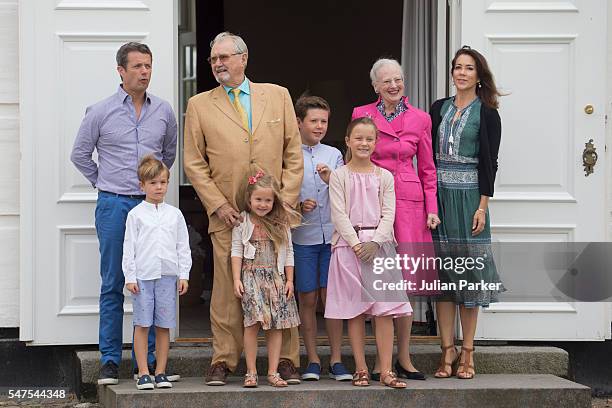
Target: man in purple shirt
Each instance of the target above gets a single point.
(122, 128)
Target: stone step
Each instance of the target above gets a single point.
(194, 361)
(485, 390)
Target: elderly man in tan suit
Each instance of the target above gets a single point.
(230, 132)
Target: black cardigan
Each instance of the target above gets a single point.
(490, 137)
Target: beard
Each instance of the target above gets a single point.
(222, 77)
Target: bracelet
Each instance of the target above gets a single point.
(481, 209)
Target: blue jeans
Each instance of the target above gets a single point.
(111, 213)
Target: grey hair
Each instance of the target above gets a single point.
(381, 62)
(240, 46)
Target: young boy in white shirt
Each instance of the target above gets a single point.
(155, 255)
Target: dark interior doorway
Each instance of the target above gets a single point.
(324, 47)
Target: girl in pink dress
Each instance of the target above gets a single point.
(362, 202)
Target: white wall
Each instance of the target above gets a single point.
(9, 164)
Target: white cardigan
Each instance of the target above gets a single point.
(242, 247)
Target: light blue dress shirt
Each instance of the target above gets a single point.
(316, 226)
(122, 140)
(245, 99)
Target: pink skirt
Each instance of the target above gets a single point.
(346, 298)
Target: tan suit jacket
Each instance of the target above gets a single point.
(220, 154)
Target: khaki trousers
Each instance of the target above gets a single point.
(226, 312)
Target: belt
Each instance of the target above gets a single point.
(134, 196)
(360, 228)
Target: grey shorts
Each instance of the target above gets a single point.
(155, 303)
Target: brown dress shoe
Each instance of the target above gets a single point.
(217, 374)
(288, 372)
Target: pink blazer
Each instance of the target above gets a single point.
(395, 151)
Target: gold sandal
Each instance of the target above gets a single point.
(393, 382)
(276, 381)
(361, 378)
(442, 372)
(463, 372)
(250, 380)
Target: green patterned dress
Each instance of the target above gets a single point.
(458, 199)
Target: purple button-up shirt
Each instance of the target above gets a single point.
(111, 127)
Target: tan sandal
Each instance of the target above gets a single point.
(442, 371)
(463, 372)
(250, 380)
(275, 380)
(361, 378)
(389, 379)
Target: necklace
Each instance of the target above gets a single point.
(355, 169)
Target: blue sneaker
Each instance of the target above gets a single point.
(145, 383)
(312, 372)
(339, 372)
(162, 381)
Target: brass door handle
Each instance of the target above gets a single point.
(589, 157)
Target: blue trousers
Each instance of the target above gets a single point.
(111, 213)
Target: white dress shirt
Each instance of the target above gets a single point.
(156, 243)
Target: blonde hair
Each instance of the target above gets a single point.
(280, 218)
(150, 167)
(358, 121)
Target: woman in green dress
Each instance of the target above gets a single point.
(466, 132)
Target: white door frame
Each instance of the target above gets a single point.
(602, 312)
(29, 66)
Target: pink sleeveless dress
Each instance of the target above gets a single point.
(345, 298)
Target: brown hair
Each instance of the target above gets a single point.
(306, 102)
(122, 53)
(276, 222)
(150, 167)
(358, 121)
(486, 91)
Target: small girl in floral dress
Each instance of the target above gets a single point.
(262, 269)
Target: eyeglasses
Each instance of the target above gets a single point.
(389, 82)
(466, 47)
(223, 58)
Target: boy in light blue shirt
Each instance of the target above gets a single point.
(311, 240)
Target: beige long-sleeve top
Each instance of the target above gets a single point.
(339, 197)
(242, 247)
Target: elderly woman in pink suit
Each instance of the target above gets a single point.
(404, 132)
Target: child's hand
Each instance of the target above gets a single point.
(238, 288)
(367, 252)
(289, 289)
(308, 205)
(324, 172)
(183, 286)
(132, 287)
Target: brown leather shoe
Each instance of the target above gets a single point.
(288, 372)
(217, 374)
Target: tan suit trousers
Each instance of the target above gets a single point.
(226, 311)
